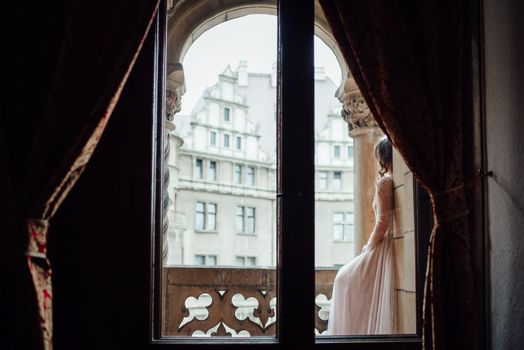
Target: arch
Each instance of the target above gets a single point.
(190, 19)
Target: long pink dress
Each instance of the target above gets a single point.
(363, 300)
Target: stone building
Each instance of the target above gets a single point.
(223, 178)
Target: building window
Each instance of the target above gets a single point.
(350, 152)
(212, 174)
(343, 229)
(238, 174)
(213, 138)
(205, 216)
(246, 261)
(226, 140)
(239, 143)
(245, 220)
(250, 176)
(206, 260)
(227, 114)
(322, 180)
(336, 151)
(337, 180)
(199, 171)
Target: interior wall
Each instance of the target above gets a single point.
(504, 73)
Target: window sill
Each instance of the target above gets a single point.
(246, 234)
(206, 231)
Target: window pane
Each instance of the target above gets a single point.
(338, 232)
(250, 220)
(211, 260)
(199, 216)
(250, 176)
(211, 217)
(239, 143)
(240, 261)
(240, 219)
(238, 174)
(230, 127)
(200, 259)
(212, 175)
(199, 168)
(337, 180)
(336, 151)
(322, 180)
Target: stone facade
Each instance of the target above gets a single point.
(230, 132)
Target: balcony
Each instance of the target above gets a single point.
(237, 302)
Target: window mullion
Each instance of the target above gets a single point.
(295, 140)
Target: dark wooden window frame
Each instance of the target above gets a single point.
(295, 199)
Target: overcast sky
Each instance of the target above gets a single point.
(252, 38)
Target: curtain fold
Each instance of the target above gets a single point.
(409, 60)
(79, 55)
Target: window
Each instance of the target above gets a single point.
(246, 261)
(213, 138)
(343, 226)
(239, 143)
(227, 113)
(238, 174)
(336, 151)
(205, 216)
(250, 176)
(212, 174)
(199, 171)
(200, 216)
(350, 152)
(245, 220)
(337, 180)
(203, 260)
(322, 180)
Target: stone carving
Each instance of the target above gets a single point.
(175, 88)
(355, 110)
(197, 308)
(323, 303)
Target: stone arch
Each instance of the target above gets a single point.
(190, 19)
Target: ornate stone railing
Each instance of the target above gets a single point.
(238, 302)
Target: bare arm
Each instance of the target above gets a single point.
(384, 214)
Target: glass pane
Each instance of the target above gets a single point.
(378, 284)
(220, 274)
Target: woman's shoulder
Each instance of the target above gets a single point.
(385, 181)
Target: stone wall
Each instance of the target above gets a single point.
(404, 241)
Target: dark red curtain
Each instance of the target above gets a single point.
(65, 64)
(409, 59)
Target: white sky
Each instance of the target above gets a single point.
(252, 38)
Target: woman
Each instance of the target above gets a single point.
(363, 293)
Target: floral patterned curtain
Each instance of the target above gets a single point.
(68, 62)
(409, 60)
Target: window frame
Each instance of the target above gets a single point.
(226, 136)
(295, 34)
(228, 115)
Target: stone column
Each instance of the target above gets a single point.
(175, 88)
(365, 133)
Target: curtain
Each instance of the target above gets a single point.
(409, 59)
(66, 64)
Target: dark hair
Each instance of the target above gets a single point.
(384, 155)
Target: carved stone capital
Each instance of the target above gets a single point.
(355, 110)
(175, 88)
